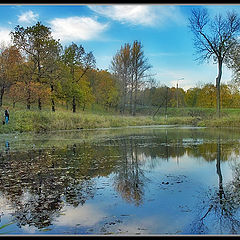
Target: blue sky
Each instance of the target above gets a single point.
(104, 28)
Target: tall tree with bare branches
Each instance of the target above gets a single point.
(121, 67)
(214, 38)
(129, 65)
(139, 67)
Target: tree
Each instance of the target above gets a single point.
(26, 77)
(129, 66)
(79, 63)
(121, 67)
(206, 96)
(226, 96)
(214, 38)
(10, 61)
(191, 96)
(139, 66)
(106, 89)
(161, 99)
(235, 93)
(38, 46)
(53, 70)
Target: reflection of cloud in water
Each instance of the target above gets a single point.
(29, 229)
(5, 205)
(151, 225)
(86, 215)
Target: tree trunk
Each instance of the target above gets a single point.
(74, 104)
(219, 173)
(218, 80)
(53, 105)
(131, 101)
(39, 104)
(84, 105)
(135, 102)
(131, 96)
(1, 95)
(52, 100)
(124, 100)
(28, 99)
(166, 102)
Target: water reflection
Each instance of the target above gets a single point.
(220, 205)
(7, 146)
(52, 186)
(129, 180)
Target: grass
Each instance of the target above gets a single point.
(40, 121)
(22, 120)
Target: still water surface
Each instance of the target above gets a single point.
(126, 181)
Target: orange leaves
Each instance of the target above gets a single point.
(20, 91)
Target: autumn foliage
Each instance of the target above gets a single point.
(37, 70)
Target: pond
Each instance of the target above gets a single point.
(123, 181)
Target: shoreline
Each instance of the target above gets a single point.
(46, 121)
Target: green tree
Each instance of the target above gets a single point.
(79, 63)
(191, 96)
(235, 92)
(107, 92)
(207, 96)
(226, 96)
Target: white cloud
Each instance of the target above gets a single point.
(76, 28)
(28, 17)
(146, 15)
(4, 36)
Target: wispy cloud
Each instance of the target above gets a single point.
(146, 15)
(28, 17)
(5, 36)
(76, 28)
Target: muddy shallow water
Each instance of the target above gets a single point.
(126, 181)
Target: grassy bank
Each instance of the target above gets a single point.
(25, 121)
(45, 120)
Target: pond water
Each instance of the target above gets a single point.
(123, 181)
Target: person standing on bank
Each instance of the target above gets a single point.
(6, 114)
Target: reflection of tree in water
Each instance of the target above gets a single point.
(129, 179)
(37, 182)
(219, 207)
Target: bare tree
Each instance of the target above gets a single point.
(139, 66)
(129, 66)
(214, 38)
(120, 66)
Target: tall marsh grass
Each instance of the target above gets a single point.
(46, 120)
(39, 121)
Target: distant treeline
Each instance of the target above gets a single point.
(204, 96)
